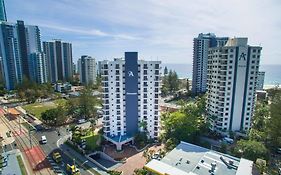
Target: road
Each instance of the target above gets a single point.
(67, 153)
(46, 150)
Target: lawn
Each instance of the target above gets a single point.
(37, 109)
(92, 141)
(22, 167)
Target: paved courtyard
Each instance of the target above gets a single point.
(135, 160)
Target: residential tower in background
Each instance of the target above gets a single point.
(87, 70)
(201, 45)
(3, 16)
(59, 60)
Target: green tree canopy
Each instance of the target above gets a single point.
(274, 123)
(83, 106)
(56, 116)
(170, 83)
(250, 149)
(183, 125)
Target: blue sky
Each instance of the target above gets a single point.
(157, 29)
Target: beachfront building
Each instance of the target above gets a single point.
(260, 80)
(201, 45)
(189, 159)
(232, 77)
(131, 91)
(87, 70)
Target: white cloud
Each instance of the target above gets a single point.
(163, 28)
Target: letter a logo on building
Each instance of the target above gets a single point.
(131, 74)
(243, 55)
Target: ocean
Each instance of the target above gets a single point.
(272, 72)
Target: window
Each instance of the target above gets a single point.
(156, 72)
(145, 72)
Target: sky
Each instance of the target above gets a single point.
(157, 29)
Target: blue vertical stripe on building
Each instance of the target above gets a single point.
(245, 88)
(234, 88)
(131, 89)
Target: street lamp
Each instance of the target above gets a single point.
(84, 162)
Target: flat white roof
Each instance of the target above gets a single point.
(245, 167)
(163, 168)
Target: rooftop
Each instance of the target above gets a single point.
(13, 111)
(189, 159)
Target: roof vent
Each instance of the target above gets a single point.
(230, 162)
(213, 166)
(202, 161)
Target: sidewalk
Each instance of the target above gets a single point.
(80, 159)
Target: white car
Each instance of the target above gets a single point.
(43, 139)
(80, 121)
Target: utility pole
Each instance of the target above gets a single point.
(19, 123)
(29, 132)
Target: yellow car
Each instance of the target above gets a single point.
(57, 157)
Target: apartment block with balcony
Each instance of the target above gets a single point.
(131, 91)
(231, 83)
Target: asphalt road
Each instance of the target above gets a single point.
(53, 135)
(52, 145)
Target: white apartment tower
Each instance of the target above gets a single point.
(231, 81)
(131, 90)
(260, 81)
(87, 70)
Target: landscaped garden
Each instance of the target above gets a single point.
(86, 139)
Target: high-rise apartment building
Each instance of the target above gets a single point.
(131, 90)
(3, 16)
(19, 42)
(260, 80)
(87, 70)
(22, 42)
(38, 67)
(12, 67)
(232, 77)
(201, 44)
(59, 60)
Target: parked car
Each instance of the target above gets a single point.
(279, 150)
(228, 140)
(80, 121)
(57, 157)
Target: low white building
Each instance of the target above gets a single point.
(189, 159)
